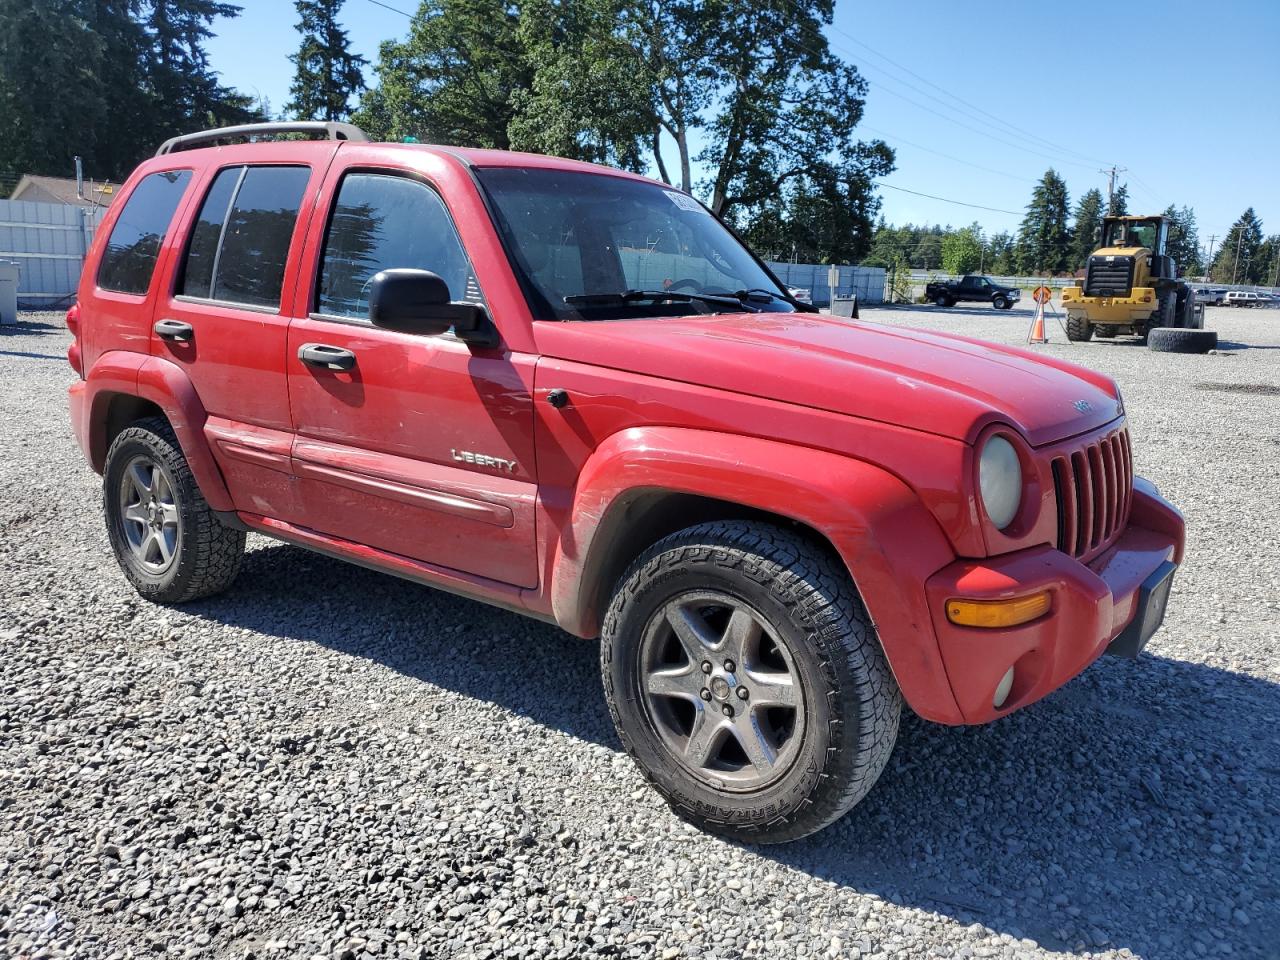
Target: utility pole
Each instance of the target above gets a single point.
(1111, 183)
(1275, 277)
(1208, 263)
(1235, 266)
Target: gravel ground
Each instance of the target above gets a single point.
(327, 762)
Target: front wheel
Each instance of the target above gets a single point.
(1000, 303)
(747, 682)
(1078, 329)
(167, 540)
(941, 301)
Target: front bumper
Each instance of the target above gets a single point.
(1135, 308)
(1109, 599)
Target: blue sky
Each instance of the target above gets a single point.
(1186, 99)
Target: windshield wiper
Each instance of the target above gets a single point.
(656, 296)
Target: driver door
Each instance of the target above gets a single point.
(417, 445)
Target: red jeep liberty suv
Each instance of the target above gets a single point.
(574, 393)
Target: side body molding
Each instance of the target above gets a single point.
(887, 539)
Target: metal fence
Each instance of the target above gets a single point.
(48, 241)
(866, 282)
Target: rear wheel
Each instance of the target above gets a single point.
(747, 682)
(1166, 314)
(1078, 328)
(1105, 331)
(167, 540)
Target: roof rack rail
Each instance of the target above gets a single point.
(320, 130)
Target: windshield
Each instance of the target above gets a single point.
(593, 246)
(1131, 233)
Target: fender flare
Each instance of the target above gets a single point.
(887, 539)
(166, 385)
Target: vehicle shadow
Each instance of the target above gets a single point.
(1138, 807)
(30, 326)
(976, 311)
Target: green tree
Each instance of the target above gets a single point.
(786, 107)
(1184, 240)
(52, 41)
(1238, 259)
(1118, 205)
(589, 98)
(326, 73)
(105, 80)
(1087, 229)
(1044, 240)
(1269, 259)
(962, 250)
(454, 79)
(1002, 255)
(822, 221)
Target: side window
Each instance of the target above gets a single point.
(240, 242)
(380, 222)
(130, 255)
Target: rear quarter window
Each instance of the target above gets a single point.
(240, 243)
(129, 258)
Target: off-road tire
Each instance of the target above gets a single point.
(208, 553)
(1166, 314)
(852, 703)
(1180, 340)
(1000, 303)
(1104, 331)
(1078, 330)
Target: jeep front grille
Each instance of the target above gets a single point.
(1108, 277)
(1095, 491)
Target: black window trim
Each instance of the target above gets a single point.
(98, 288)
(180, 274)
(398, 173)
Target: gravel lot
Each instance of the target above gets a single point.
(330, 762)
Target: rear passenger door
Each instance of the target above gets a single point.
(222, 321)
(418, 445)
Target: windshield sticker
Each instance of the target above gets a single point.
(684, 201)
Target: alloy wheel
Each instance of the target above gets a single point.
(149, 514)
(721, 690)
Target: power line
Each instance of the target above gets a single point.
(967, 163)
(959, 203)
(972, 106)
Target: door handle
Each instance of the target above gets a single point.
(174, 330)
(326, 357)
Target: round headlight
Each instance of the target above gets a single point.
(1000, 481)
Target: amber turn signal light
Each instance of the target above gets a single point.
(998, 613)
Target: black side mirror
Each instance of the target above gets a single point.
(418, 301)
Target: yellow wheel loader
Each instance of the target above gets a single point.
(1130, 285)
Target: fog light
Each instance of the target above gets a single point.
(1002, 689)
(997, 613)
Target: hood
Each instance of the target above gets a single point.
(937, 383)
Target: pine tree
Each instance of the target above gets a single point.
(1087, 229)
(187, 92)
(1238, 259)
(327, 73)
(1119, 205)
(1184, 240)
(1044, 239)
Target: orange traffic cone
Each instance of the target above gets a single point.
(1037, 334)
